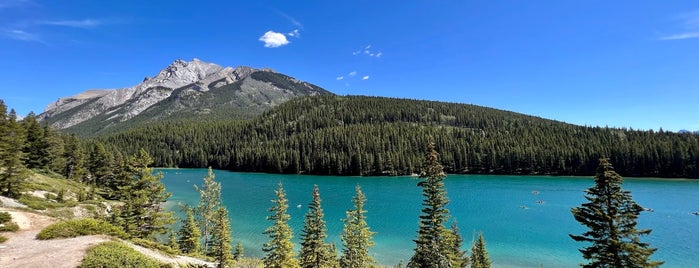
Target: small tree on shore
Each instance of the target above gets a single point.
(315, 252)
(220, 243)
(189, 233)
(432, 249)
(479, 254)
(611, 217)
(279, 251)
(356, 236)
(207, 209)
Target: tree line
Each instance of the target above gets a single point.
(355, 135)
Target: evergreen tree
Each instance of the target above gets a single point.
(279, 251)
(432, 249)
(74, 158)
(455, 242)
(479, 255)
(356, 236)
(99, 164)
(315, 252)
(12, 170)
(172, 242)
(239, 253)
(189, 233)
(143, 196)
(36, 146)
(220, 244)
(611, 217)
(209, 202)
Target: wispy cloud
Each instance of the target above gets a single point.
(291, 19)
(366, 77)
(340, 78)
(15, 3)
(86, 23)
(295, 33)
(681, 36)
(274, 39)
(21, 35)
(352, 73)
(366, 50)
(690, 23)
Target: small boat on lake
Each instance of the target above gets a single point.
(696, 212)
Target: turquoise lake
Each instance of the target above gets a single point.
(515, 236)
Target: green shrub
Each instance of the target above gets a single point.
(2, 239)
(115, 254)
(5, 217)
(9, 227)
(73, 228)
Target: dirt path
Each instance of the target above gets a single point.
(22, 249)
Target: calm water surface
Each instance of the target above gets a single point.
(525, 219)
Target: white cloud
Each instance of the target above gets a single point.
(367, 47)
(378, 55)
(690, 22)
(340, 78)
(681, 36)
(295, 33)
(274, 39)
(366, 77)
(366, 50)
(356, 53)
(86, 23)
(352, 73)
(22, 36)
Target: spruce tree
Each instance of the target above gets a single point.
(432, 249)
(143, 195)
(172, 242)
(455, 243)
(479, 254)
(356, 236)
(189, 233)
(12, 170)
(220, 243)
(315, 252)
(209, 202)
(36, 145)
(611, 217)
(74, 158)
(279, 251)
(239, 253)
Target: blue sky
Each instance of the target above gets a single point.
(615, 63)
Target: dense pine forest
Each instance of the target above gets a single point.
(356, 135)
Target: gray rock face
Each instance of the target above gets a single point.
(182, 87)
(69, 111)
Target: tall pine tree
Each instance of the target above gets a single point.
(12, 170)
(432, 249)
(611, 217)
(479, 254)
(189, 234)
(279, 251)
(315, 252)
(209, 202)
(356, 236)
(220, 244)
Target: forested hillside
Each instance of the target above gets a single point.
(357, 135)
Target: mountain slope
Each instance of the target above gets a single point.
(356, 135)
(193, 89)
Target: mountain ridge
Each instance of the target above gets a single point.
(184, 81)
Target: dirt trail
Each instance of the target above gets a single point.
(22, 249)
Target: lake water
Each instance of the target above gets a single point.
(515, 236)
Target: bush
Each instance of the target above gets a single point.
(9, 227)
(115, 254)
(73, 228)
(6, 224)
(5, 217)
(2, 239)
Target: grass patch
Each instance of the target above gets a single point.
(116, 254)
(73, 228)
(2, 239)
